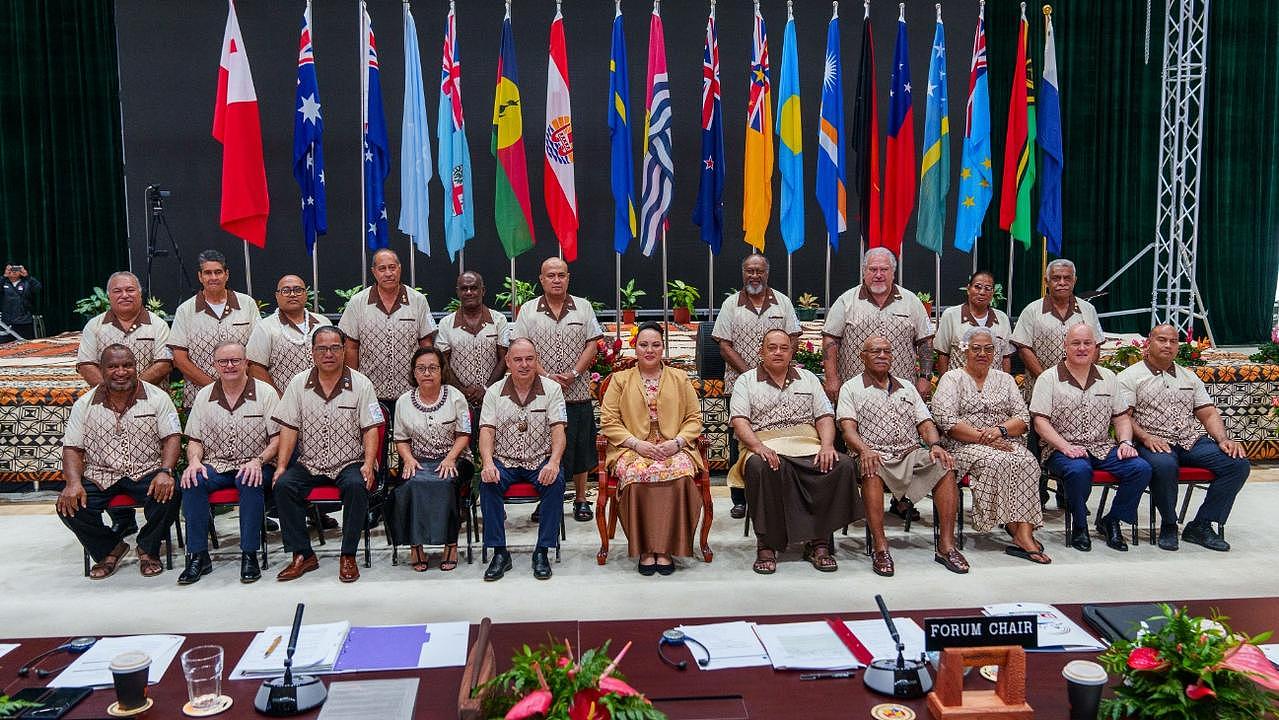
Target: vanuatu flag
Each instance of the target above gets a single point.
(511, 210)
(1019, 158)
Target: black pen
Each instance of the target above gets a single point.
(828, 676)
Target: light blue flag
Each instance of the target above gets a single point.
(975, 172)
(790, 151)
(415, 146)
(455, 154)
(934, 171)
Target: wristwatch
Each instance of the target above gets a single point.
(576, 374)
(1129, 443)
(1003, 432)
(165, 470)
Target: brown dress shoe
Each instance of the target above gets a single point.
(298, 567)
(348, 569)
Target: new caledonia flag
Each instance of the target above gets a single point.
(511, 209)
(245, 203)
(709, 211)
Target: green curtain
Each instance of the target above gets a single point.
(61, 170)
(1110, 99)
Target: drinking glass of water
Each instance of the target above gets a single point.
(202, 667)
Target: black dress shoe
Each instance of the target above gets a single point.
(582, 512)
(1201, 533)
(1079, 539)
(665, 570)
(1167, 537)
(541, 564)
(537, 515)
(271, 524)
(249, 570)
(498, 567)
(1113, 532)
(647, 570)
(198, 565)
(737, 512)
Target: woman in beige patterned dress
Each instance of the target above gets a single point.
(985, 419)
(651, 417)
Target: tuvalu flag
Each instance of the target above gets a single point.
(790, 154)
(934, 171)
(757, 191)
(832, 196)
(899, 156)
(976, 176)
(622, 165)
(709, 211)
(454, 152)
(657, 189)
(1019, 160)
(245, 202)
(1049, 121)
(558, 188)
(865, 142)
(512, 212)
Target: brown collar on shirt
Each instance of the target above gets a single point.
(893, 385)
(966, 316)
(100, 396)
(202, 305)
(544, 307)
(762, 375)
(142, 318)
(401, 300)
(1064, 375)
(310, 316)
(1170, 372)
(744, 300)
(313, 383)
(508, 390)
(1074, 309)
(486, 318)
(218, 395)
(863, 293)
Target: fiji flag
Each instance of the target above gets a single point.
(832, 196)
(709, 212)
(308, 127)
(975, 173)
(377, 157)
(619, 131)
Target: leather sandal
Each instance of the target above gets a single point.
(421, 561)
(149, 565)
(953, 560)
(109, 564)
(449, 562)
(765, 561)
(881, 561)
(818, 554)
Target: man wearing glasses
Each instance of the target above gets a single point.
(215, 315)
(331, 416)
(280, 345)
(232, 444)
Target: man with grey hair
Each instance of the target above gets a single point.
(1041, 328)
(214, 315)
(744, 319)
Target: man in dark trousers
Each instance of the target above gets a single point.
(17, 298)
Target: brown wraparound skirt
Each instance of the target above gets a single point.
(798, 503)
(660, 517)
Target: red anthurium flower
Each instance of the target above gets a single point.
(1199, 691)
(535, 703)
(1249, 660)
(616, 687)
(586, 706)
(1145, 658)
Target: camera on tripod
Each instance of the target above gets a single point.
(157, 224)
(155, 198)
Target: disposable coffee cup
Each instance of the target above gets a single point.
(1084, 682)
(130, 670)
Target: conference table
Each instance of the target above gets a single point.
(758, 692)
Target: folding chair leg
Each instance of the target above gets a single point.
(1185, 504)
(959, 520)
(177, 524)
(213, 531)
(265, 559)
(1101, 508)
(168, 548)
(319, 523)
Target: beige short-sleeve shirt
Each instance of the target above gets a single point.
(198, 328)
(388, 337)
(330, 427)
(472, 350)
(742, 324)
(1164, 402)
(855, 317)
(282, 347)
(1043, 331)
(957, 320)
(887, 418)
(125, 444)
(800, 400)
(232, 434)
(1080, 414)
(431, 429)
(522, 431)
(560, 340)
(147, 336)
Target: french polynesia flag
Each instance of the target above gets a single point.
(245, 203)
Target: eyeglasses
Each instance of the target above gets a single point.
(228, 362)
(327, 349)
(427, 369)
(984, 288)
(292, 290)
(981, 349)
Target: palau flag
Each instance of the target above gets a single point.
(832, 195)
(899, 161)
(619, 132)
(1019, 161)
(976, 176)
(1049, 138)
(308, 128)
(757, 192)
(377, 154)
(455, 153)
(790, 154)
(709, 211)
(512, 212)
(658, 187)
(416, 169)
(934, 171)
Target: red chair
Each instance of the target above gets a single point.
(1099, 477)
(521, 493)
(1194, 479)
(231, 497)
(124, 501)
(331, 498)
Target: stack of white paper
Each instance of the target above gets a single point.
(730, 645)
(93, 668)
(805, 646)
(1271, 652)
(875, 637)
(317, 650)
(1057, 633)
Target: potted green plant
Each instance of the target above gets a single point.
(927, 300)
(806, 307)
(523, 293)
(682, 296)
(630, 301)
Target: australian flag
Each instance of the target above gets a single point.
(308, 127)
(377, 158)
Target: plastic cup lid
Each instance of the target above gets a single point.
(1085, 672)
(130, 661)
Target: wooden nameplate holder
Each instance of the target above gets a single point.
(481, 666)
(1007, 701)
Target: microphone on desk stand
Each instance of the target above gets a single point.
(900, 678)
(287, 695)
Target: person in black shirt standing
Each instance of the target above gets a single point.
(17, 293)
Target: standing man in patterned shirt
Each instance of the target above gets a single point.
(123, 437)
(1040, 333)
(743, 320)
(280, 345)
(563, 328)
(212, 316)
(473, 339)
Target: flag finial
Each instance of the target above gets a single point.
(1023, 11)
(712, 9)
(508, 8)
(790, 9)
(834, 9)
(866, 7)
(618, 7)
(901, 12)
(938, 12)
(1048, 10)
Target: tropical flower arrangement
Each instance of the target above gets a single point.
(607, 353)
(548, 683)
(1190, 668)
(1124, 355)
(809, 357)
(1190, 353)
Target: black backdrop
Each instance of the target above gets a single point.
(168, 53)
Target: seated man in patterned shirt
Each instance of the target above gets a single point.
(1176, 423)
(883, 419)
(522, 440)
(123, 437)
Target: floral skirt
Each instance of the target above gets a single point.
(633, 467)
